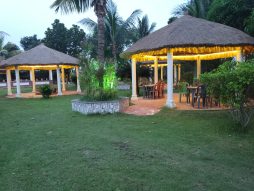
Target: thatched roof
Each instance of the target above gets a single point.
(189, 31)
(40, 55)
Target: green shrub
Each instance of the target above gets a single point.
(231, 84)
(98, 80)
(45, 91)
(188, 77)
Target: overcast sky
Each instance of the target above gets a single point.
(29, 17)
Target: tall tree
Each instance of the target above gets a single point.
(56, 37)
(231, 12)
(143, 27)
(76, 37)
(116, 28)
(79, 6)
(29, 42)
(195, 8)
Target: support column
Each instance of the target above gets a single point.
(59, 90)
(134, 79)
(155, 70)
(31, 75)
(78, 82)
(239, 56)
(162, 73)
(198, 67)
(179, 72)
(17, 82)
(33, 80)
(170, 97)
(175, 73)
(8, 79)
(50, 75)
(63, 80)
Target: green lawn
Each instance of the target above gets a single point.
(45, 146)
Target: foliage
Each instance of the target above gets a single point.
(250, 24)
(56, 38)
(118, 31)
(76, 37)
(45, 91)
(188, 77)
(68, 6)
(230, 83)
(235, 13)
(98, 81)
(69, 41)
(196, 8)
(8, 50)
(29, 42)
(143, 27)
(231, 12)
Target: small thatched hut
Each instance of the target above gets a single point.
(187, 38)
(40, 58)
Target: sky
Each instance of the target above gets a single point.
(29, 17)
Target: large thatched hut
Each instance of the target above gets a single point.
(40, 58)
(187, 38)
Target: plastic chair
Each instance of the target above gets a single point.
(184, 91)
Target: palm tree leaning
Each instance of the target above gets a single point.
(68, 6)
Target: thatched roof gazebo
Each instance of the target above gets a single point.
(40, 58)
(191, 39)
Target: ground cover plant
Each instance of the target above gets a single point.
(46, 146)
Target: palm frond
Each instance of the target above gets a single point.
(68, 6)
(88, 23)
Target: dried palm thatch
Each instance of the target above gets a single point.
(189, 31)
(40, 55)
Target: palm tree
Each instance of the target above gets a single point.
(196, 8)
(116, 29)
(79, 6)
(144, 28)
(8, 50)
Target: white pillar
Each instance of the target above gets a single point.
(170, 97)
(134, 79)
(175, 74)
(239, 56)
(31, 75)
(50, 75)
(155, 70)
(198, 67)
(63, 79)
(33, 80)
(17, 82)
(179, 72)
(59, 90)
(78, 82)
(8, 78)
(161, 72)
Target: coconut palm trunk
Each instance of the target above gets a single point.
(100, 11)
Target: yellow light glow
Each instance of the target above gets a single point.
(40, 67)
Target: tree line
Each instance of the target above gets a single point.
(235, 13)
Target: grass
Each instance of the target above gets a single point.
(46, 146)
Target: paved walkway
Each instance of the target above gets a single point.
(143, 107)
